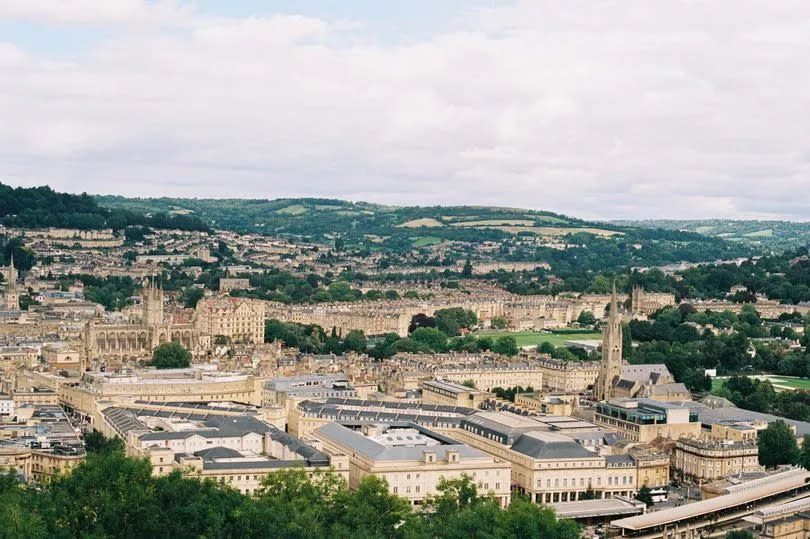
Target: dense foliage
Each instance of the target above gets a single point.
(170, 355)
(110, 495)
(509, 393)
(113, 292)
(42, 207)
(777, 445)
(759, 396)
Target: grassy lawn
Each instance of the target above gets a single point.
(795, 383)
(528, 338)
(717, 383)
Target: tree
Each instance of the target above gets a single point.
(24, 257)
(453, 319)
(777, 445)
(586, 318)
(421, 320)
(468, 383)
(355, 341)
(433, 338)
(740, 534)
(589, 494)
(804, 455)
(96, 443)
(498, 322)
(171, 355)
(391, 295)
(467, 271)
(274, 330)
(191, 296)
(627, 342)
(645, 495)
(506, 345)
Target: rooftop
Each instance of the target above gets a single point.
(373, 449)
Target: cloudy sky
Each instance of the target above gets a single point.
(599, 109)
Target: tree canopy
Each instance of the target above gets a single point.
(170, 355)
(777, 445)
(110, 495)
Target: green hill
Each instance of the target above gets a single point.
(765, 236)
(524, 234)
(42, 207)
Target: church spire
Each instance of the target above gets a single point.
(614, 310)
(610, 367)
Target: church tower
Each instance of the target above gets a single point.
(152, 303)
(611, 366)
(11, 296)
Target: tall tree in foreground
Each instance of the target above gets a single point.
(777, 445)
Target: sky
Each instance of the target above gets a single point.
(597, 109)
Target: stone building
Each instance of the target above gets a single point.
(646, 303)
(130, 340)
(413, 460)
(702, 460)
(643, 420)
(239, 319)
(568, 376)
(552, 467)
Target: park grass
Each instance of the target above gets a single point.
(794, 383)
(530, 338)
(717, 384)
(777, 381)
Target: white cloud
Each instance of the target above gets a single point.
(95, 12)
(615, 109)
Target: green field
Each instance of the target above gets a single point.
(528, 338)
(295, 209)
(795, 383)
(783, 381)
(424, 241)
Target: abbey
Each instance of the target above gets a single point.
(130, 340)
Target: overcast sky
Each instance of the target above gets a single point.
(598, 109)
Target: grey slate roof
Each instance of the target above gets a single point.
(218, 452)
(534, 446)
(644, 372)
